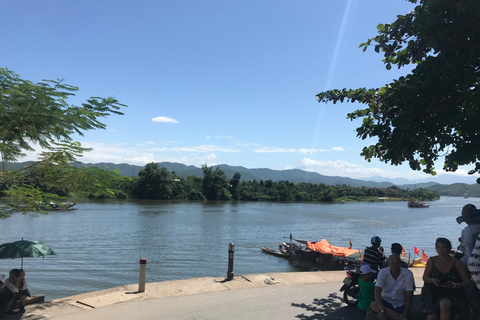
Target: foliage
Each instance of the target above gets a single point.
(215, 184)
(433, 111)
(37, 114)
(233, 187)
(155, 182)
(457, 190)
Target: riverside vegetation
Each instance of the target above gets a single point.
(155, 182)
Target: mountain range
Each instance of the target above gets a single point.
(293, 175)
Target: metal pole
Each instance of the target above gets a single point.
(141, 278)
(231, 251)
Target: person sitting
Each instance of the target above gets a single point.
(397, 248)
(366, 287)
(372, 255)
(471, 216)
(445, 279)
(15, 288)
(393, 291)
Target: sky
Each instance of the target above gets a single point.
(213, 81)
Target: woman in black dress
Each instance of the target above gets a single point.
(445, 279)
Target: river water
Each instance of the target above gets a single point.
(99, 245)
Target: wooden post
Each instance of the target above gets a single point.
(141, 278)
(231, 251)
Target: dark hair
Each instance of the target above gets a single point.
(16, 272)
(445, 242)
(397, 248)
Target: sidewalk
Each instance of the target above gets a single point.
(293, 295)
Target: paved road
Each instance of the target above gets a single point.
(295, 295)
(311, 301)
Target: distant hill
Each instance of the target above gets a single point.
(292, 175)
(458, 190)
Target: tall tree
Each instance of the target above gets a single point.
(38, 114)
(233, 187)
(215, 184)
(155, 182)
(434, 110)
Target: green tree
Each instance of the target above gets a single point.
(193, 188)
(155, 182)
(434, 110)
(234, 183)
(215, 184)
(34, 114)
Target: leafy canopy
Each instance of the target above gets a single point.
(38, 114)
(434, 111)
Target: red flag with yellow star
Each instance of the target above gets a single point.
(424, 256)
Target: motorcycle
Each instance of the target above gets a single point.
(350, 288)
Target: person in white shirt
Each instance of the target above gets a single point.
(471, 216)
(14, 288)
(393, 291)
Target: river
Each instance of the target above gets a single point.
(99, 245)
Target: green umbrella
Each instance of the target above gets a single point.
(24, 249)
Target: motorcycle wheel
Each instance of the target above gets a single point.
(350, 295)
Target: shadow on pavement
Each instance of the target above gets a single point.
(332, 307)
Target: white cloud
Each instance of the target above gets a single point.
(345, 169)
(311, 151)
(274, 150)
(459, 172)
(205, 148)
(293, 150)
(164, 119)
(219, 137)
(247, 144)
(115, 153)
(210, 157)
(191, 161)
(145, 143)
(99, 157)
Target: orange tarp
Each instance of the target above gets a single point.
(326, 248)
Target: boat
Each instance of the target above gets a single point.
(321, 255)
(64, 206)
(281, 253)
(417, 204)
(417, 263)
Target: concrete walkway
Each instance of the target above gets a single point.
(293, 295)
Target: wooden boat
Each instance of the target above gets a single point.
(65, 206)
(417, 263)
(417, 204)
(282, 253)
(315, 258)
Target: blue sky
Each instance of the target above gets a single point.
(212, 81)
